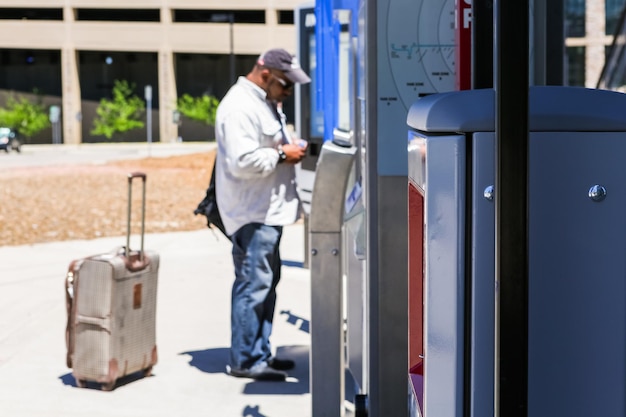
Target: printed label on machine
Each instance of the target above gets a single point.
(354, 196)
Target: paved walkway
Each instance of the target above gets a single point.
(192, 335)
(193, 327)
(97, 153)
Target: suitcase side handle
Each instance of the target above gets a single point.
(143, 177)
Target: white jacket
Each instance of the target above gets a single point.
(251, 186)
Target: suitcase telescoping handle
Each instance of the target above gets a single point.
(132, 176)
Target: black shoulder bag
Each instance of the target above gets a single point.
(208, 207)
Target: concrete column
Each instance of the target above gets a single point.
(167, 83)
(71, 111)
(167, 96)
(271, 20)
(595, 28)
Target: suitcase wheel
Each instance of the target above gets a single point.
(147, 372)
(81, 383)
(108, 386)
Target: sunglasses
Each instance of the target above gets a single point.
(285, 84)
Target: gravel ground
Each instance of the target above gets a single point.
(54, 203)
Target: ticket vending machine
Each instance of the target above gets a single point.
(327, 358)
(330, 114)
(577, 242)
(309, 118)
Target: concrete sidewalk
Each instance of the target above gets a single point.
(193, 334)
(96, 153)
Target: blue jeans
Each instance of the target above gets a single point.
(257, 264)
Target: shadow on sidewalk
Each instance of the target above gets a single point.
(252, 412)
(293, 264)
(304, 324)
(214, 361)
(211, 361)
(68, 379)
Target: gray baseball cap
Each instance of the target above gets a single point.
(283, 61)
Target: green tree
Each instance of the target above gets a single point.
(201, 109)
(121, 114)
(24, 116)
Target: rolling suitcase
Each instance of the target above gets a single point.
(111, 310)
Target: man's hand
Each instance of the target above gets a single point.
(295, 152)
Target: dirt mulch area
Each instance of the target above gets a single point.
(47, 204)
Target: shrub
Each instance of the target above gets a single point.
(121, 114)
(24, 116)
(201, 109)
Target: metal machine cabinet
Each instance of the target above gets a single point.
(577, 242)
(327, 356)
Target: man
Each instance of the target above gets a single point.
(256, 195)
